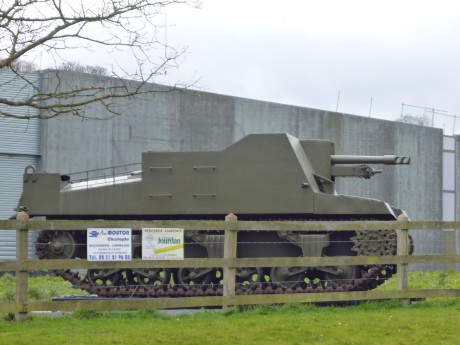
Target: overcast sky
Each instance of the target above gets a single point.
(306, 52)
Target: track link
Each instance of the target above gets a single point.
(364, 243)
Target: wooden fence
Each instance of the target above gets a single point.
(21, 306)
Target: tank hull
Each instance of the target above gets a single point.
(262, 177)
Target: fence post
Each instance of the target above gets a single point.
(22, 276)
(230, 243)
(449, 247)
(403, 249)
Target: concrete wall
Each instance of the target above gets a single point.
(457, 177)
(457, 191)
(169, 121)
(194, 121)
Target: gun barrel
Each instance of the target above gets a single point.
(386, 159)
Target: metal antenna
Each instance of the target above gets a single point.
(338, 98)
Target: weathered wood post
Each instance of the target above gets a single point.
(403, 250)
(449, 247)
(22, 275)
(230, 243)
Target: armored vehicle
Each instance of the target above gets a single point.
(261, 177)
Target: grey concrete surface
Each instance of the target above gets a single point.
(457, 194)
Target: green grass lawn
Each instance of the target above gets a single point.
(41, 288)
(370, 323)
(434, 321)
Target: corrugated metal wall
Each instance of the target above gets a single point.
(8, 245)
(18, 136)
(19, 147)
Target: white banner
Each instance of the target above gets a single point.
(109, 244)
(162, 244)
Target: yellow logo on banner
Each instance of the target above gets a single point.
(168, 249)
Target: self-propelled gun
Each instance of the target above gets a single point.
(261, 177)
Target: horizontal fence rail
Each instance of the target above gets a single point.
(69, 225)
(229, 263)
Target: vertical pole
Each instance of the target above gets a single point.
(449, 247)
(338, 99)
(230, 243)
(22, 276)
(403, 250)
(370, 108)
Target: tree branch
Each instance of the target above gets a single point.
(28, 27)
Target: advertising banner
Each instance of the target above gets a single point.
(109, 244)
(162, 244)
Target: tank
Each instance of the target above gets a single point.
(261, 177)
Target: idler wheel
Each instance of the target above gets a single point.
(194, 276)
(249, 275)
(340, 275)
(104, 277)
(62, 245)
(288, 277)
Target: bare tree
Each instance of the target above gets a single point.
(29, 28)
(23, 66)
(78, 67)
(421, 120)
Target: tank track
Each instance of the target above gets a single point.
(364, 243)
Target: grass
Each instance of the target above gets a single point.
(433, 321)
(428, 280)
(370, 323)
(41, 288)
